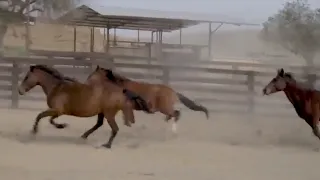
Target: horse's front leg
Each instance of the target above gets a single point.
(49, 112)
(315, 118)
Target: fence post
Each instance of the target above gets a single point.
(14, 87)
(166, 75)
(250, 84)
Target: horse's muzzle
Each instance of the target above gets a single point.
(21, 90)
(266, 91)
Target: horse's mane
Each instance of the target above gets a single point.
(301, 85)
(289, 75)
(55, 73)
(115, 77)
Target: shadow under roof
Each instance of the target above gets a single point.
(134, 19)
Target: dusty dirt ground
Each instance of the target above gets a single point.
(223, 147)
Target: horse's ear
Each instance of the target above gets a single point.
(98, 67)
(281, 72)
(110, 73)
(32, 68)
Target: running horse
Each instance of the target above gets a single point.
(305, 99)
(138, 102)
(159, 97)
(66, 96)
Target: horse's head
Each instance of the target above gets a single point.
(32, 78)
(278, 83)
(96, 76)
(38, 74)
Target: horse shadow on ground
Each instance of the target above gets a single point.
(284, 141)
(131, 139)
(300, 143)
(28, 138)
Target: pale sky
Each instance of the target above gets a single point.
(252, 11)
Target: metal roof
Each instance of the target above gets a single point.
(142, 19)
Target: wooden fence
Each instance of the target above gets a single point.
(221, 86)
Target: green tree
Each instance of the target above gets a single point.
(16, 11)
(296, 27)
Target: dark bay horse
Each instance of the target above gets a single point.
(66, 96)
(138, 102)
(305, 99)
(159, 97)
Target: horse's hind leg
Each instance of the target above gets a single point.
(49, 112)
(173, 114)
(315, 118)
(57, 125)
(95, 127)
(315, 129)
(176, 116)
(114, 131)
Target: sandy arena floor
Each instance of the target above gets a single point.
(222, 148)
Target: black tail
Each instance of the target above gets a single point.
(139, 102)
(192, 105)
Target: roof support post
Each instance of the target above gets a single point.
(114, 37)
(210, 41)
(160, 57)
(210, 37)
(27, 37)
(104, 40)
(152, 37)
(160, 36)
(92, 39)
(108, 40)
(138, 36)
(74, 38)
(180, 36)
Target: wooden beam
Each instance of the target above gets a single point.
(74, 38)
(210, 41)
(180, 36)
(108, 40)
(114, 37)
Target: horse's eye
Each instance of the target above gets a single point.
(26, 77)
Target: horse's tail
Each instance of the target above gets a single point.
(138, 101)
(192, 105)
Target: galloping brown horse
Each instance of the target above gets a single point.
(159, 97)
(97, 78)
(66, 96)
(305, 100)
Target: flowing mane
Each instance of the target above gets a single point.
(55, 73)
(299, 84)
(289, 75)
(114, 77)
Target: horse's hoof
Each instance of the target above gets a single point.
(62, 126)
(84, 137)
(34, 132)
(128, 124)
(81, 140)
(108, 146)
